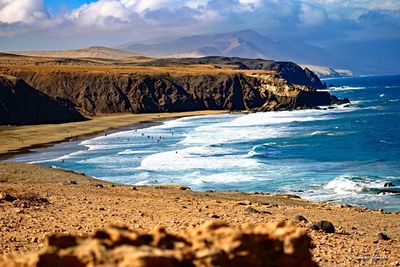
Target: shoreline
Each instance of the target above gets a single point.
(79, 205)
(21, 139)
(137, 121)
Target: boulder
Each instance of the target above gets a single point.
(300, 218)
(382, 236)
(324, 226)
(389, 184)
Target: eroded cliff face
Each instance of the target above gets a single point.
(20, 104)
(99, 92)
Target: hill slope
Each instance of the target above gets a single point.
(90, 52)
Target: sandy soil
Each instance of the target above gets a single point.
(17, 137)
(78, 204)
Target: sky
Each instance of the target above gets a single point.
(57, 24)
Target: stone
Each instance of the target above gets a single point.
(184, 188)
(300, 218)
(382, 236)
(389, 184)
(215, 216)
(253, 210)
(324, 226)
(99, 186)
(388, 192)
(7, 198)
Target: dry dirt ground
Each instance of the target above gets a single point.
(55, 201)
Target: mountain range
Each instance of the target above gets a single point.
(251, 44)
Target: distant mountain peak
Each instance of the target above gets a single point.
(245, 43)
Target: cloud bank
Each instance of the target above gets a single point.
(315, 20)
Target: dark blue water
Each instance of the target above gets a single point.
(342, 155)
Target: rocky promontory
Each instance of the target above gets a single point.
(96, 93)
(95, 87)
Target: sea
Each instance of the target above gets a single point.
(339, 154)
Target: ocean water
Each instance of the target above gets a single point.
(343, 155)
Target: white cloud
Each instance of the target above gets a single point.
(312, 15)
(103, 13)
(154, 18)
(22, 11)
(250, 4)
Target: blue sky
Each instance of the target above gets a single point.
(57, 4)
(57, 24)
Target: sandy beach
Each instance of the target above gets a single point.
(50, 200)
(14, 138)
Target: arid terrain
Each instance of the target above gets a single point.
(45, 201)
(38, 202)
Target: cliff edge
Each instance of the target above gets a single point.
(20, 104)
(96, 92)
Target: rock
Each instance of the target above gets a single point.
(253, 210)
(289, 196)
(99, 186)
(212, 244)
(300, 218)
(184, 188)
(389, 184)
(388, 192)
(134, 188)
(382, 236)
(73, 182)
(215, 216)
(7, 198)
(323, 226)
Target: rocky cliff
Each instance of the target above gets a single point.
(110, 92)
(289, 71)
(21, 104)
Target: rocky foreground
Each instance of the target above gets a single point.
(213, 244)
(54, 216)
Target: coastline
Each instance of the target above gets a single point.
(95, 204)
(20, 139)
(79, 205)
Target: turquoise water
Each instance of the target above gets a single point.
(342, 155)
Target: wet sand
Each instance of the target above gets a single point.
(20, 138)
